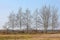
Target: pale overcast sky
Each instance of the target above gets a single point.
(6, 6)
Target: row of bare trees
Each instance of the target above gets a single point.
(45, 17)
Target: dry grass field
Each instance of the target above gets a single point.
(30, 37)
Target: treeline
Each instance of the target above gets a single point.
(27, 21)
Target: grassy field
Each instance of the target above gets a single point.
(30, 37)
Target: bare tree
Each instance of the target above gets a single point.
(54, 18)
(19, 16)
(6, 28)
(28, 20)
(36, 19)
(45, 15)
(12, 20)
(42, 17)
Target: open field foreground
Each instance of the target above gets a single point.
(30, 37)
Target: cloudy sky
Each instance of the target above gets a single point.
(7, 6)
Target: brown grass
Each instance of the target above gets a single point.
(30, 37)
